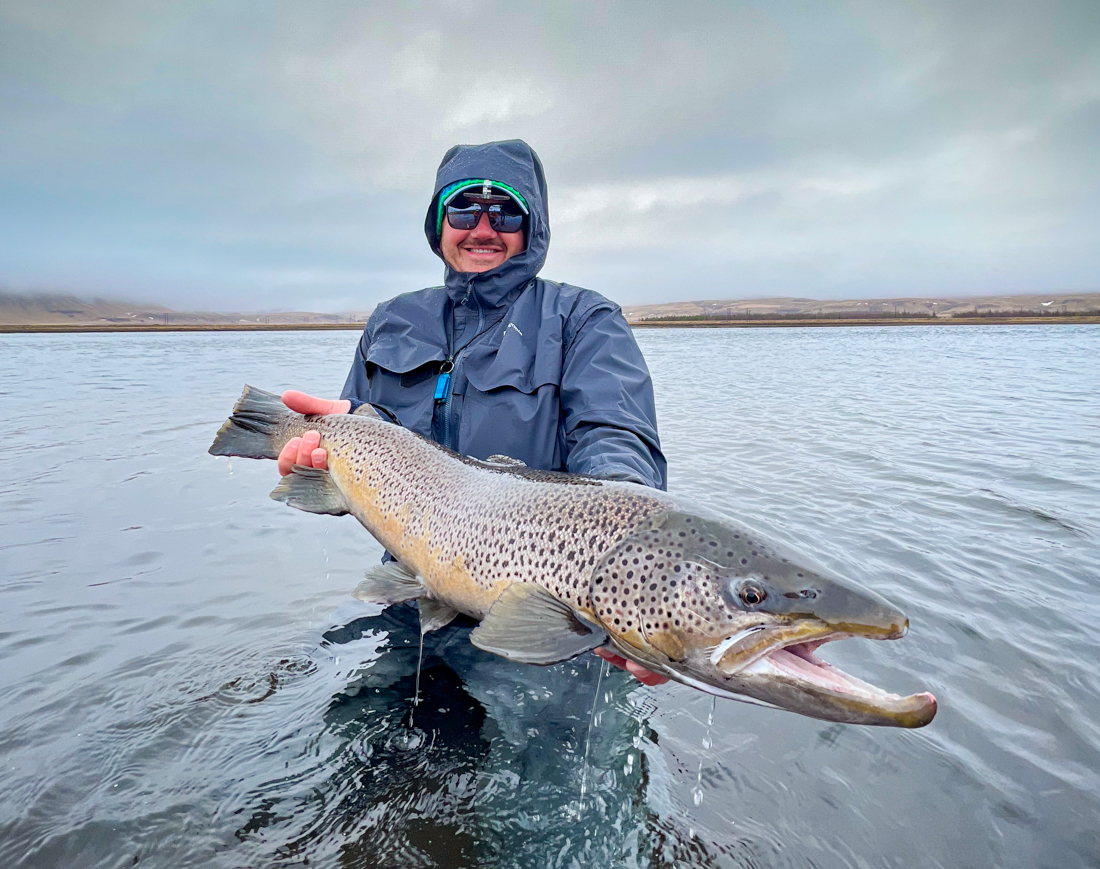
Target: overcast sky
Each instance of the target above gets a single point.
(264, 155)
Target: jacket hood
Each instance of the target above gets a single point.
(514, 163)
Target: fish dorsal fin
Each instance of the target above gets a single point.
(530, 625)
(312, 490)
(434, 614)
(505, 462)
(389, 583)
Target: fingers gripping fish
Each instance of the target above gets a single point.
(555, 565)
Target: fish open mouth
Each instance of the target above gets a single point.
(798, 667)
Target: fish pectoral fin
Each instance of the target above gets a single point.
(312, 490)
(505, 462)
(530, 625)
(434, 614)
(389, 583)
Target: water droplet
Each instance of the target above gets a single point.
(697, 796)
(406, 739)
(707, 743)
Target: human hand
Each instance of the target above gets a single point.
(305, 450)
(646, 677)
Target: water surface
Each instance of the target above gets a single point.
(187, 681)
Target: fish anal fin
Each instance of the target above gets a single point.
(434, 614)
(389, 583)
(312, 490)
(530, 625)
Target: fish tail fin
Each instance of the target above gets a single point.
(257, 429)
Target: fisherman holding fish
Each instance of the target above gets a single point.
(516, 376)
(498, 361)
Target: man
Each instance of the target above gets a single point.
(499, 361)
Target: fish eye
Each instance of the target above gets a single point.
(751, 594)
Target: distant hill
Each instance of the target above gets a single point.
(56, 309)
(51, 309)
(788, 306)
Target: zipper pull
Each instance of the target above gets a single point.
(443, 381)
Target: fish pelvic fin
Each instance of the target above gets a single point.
(312, 490)
(254, 427)
(434, 614)
(530, 625)
(390, 583)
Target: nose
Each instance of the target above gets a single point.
(483, 230)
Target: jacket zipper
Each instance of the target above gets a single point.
(445, 382)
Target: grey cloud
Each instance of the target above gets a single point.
(260, 155)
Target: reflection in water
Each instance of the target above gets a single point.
(484, 776)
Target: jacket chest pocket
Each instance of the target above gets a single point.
(404, 384)
(512, 406)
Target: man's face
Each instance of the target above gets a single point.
(478, 249)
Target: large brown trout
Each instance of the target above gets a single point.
(555, 565)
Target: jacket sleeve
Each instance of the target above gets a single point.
(607, 402)
(356, 387)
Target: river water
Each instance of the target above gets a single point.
(186, 680)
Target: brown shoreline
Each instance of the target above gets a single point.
(869, 321)
(646, 324)
(181, 327)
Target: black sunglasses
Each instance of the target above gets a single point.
(499, 219)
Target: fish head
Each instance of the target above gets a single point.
(719, 607)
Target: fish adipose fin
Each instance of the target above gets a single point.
(389, 583)
(249, 432)
(312, 490)
(434, 614)
(530, 625)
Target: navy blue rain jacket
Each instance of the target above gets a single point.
(543, 372)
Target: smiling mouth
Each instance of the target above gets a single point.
(482, 251)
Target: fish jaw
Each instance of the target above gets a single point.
(791, 676)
